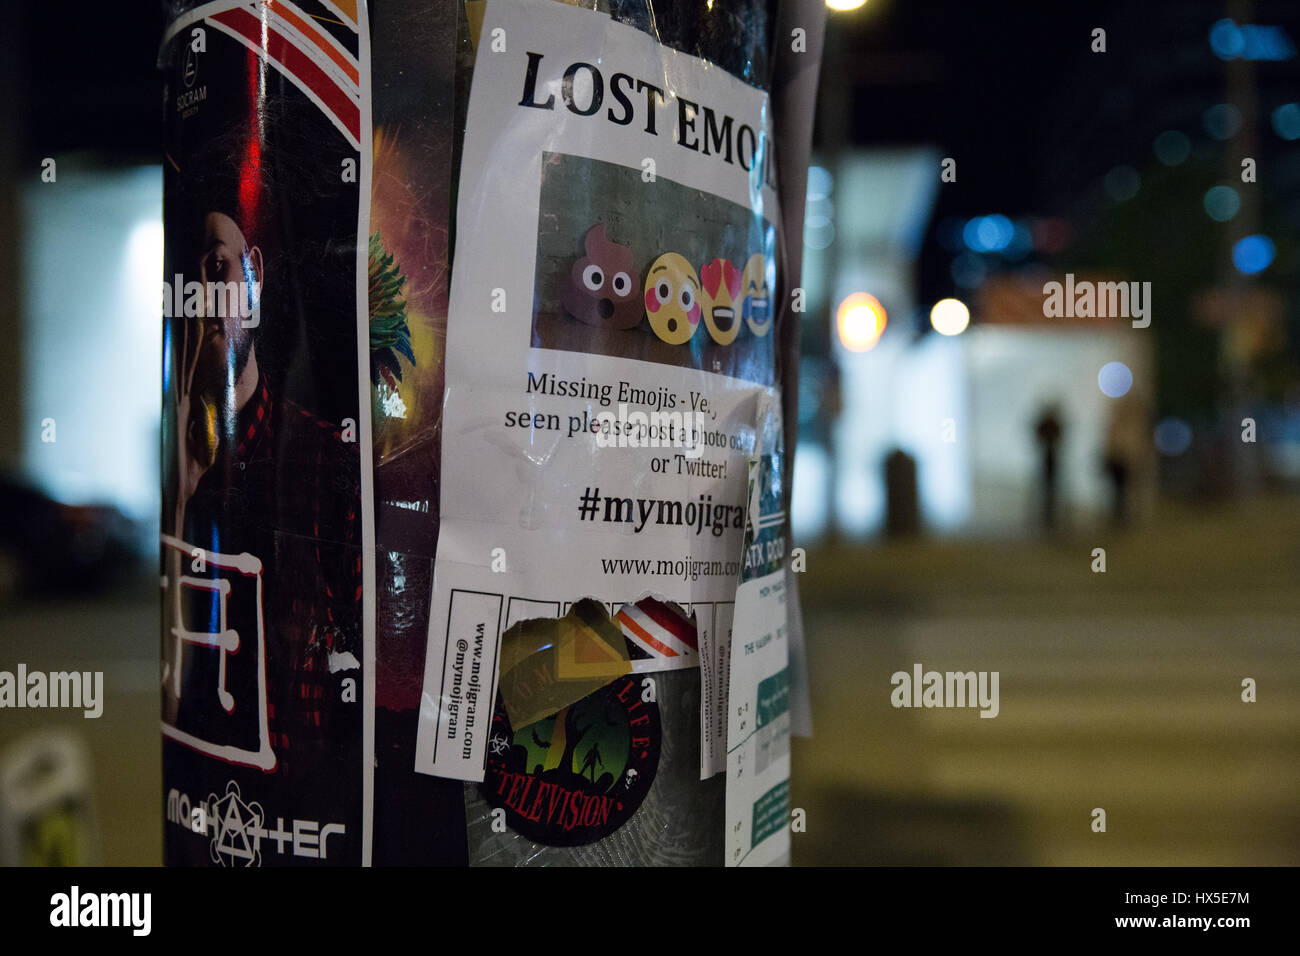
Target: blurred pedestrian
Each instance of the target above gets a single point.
(1128, 437)
(1047, 432)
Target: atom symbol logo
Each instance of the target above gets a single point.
(239, 825)
(498, 745)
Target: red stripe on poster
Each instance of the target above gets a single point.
(297, 64)
(672, 622)
(642, 634)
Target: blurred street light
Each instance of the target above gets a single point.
(950, 317)
(860, 320)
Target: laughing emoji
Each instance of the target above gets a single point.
(721, 290)
(672, 291)
(600, 289)
(756, 301)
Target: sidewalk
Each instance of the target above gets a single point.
(1119, 690)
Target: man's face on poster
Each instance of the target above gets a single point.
(227, 333)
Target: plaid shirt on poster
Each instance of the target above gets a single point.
(290, 495)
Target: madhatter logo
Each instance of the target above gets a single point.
(578, 775)
(238, 824)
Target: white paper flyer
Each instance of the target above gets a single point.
(758, 705)
(608, 344)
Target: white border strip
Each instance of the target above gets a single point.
(367, 452)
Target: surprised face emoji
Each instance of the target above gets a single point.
(672, 292)
(600, 289)
(721, 292)
(756, 304)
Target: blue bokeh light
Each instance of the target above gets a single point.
(1222, 121)
(1253, 254)
(1173, 436)
(1221, 203)
(1115, 379)
(1172, 147)
(1286, 121)
(988, 233)
(1226, 40)
(1249, 41)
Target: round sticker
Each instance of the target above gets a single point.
(578, 775)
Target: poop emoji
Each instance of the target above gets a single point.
(600, 289)
(721, 291)
(756, 295)
(671, 293)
